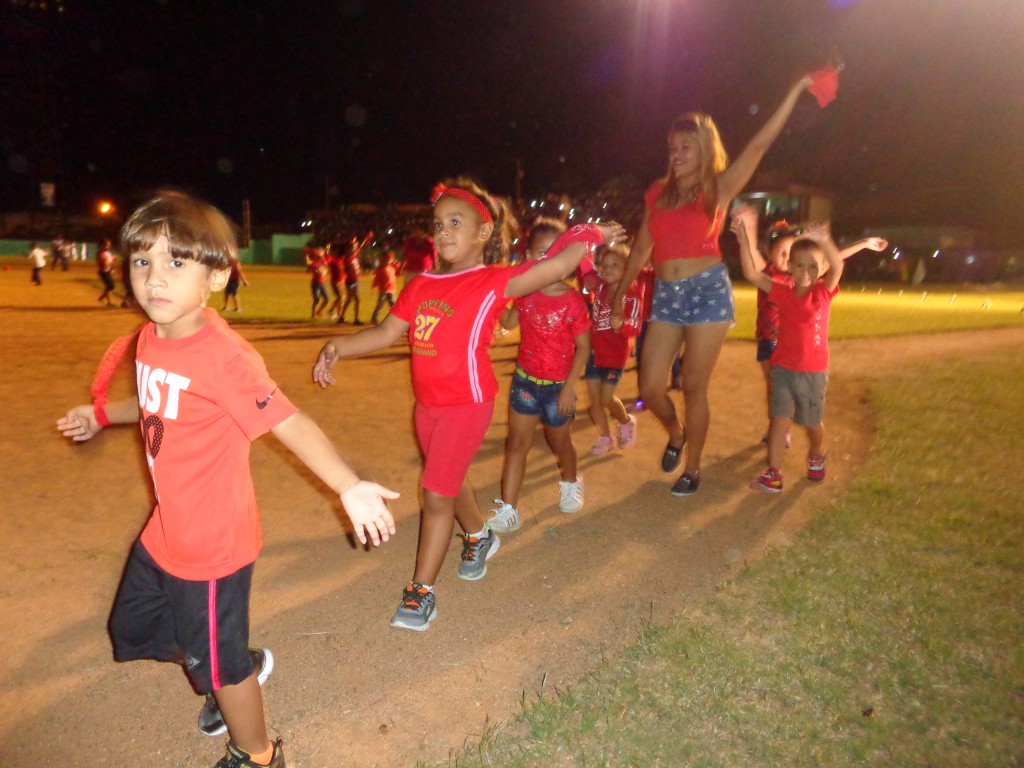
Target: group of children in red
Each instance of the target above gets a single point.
(204, 395)
(341, 264)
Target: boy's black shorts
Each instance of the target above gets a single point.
(201, 624)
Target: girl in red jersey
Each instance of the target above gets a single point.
(449, 315)
(553, 351)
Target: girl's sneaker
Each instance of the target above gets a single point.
(476, 551)
(602, 446)
(570, 495)
(505, 517)
(417, 609)
(769, 481)
(627, 433)
(816, 467)
(237, 757)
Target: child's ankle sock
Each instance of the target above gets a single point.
(264, 757)
(482, 534)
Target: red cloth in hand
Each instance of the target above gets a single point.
(824, 86)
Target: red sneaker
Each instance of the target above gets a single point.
(769, 481)
(816, 467)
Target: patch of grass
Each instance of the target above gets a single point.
(889, 634)
(890, 310)
(281, 294)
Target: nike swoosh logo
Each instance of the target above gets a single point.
(261, 404)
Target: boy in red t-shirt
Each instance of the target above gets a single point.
(799, 372)
(611, 348)
(203, 396)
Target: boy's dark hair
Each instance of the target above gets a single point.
(802, 244)
(194, 229)
(545, 225)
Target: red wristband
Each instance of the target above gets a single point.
(588, 234)
(100, 413)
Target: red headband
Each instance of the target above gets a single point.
(465, 196)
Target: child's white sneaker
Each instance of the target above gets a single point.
(570, 495)
(505, 517)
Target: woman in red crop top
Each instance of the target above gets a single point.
(693, 305)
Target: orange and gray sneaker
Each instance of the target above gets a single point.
(769, 481)
(816, 467)
(236, 757)
(417, 609)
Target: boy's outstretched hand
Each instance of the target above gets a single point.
(367, 509)
(324, 365)
(79, 424)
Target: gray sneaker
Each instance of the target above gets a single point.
(210, 721)
(476, 551)
(505, 517)
(417, 609)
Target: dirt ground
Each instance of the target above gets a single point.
(563, 593)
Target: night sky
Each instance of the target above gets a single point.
(261, 100)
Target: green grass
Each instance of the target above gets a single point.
(891, 310)
(281, 294)
(889, 634)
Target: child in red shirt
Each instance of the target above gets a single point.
(781, 237)
(611, 348)
(554, 347)
(316, 265)
(203, 396)
(449, 316)
(799, 363)
(385, 280)
(350, 263)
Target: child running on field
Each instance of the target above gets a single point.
(781, 237)
(203, 396)
(554, 347)
(350, 263)
(385, 280)
(450, 316)
(799, 363)
(610, 348)
(316, 265)
(236, 279)
(105, 261)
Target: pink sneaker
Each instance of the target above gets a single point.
(602, 446)
(627, 433)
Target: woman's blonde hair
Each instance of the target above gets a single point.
(713, 161)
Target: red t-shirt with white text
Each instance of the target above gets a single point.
(203, 400)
